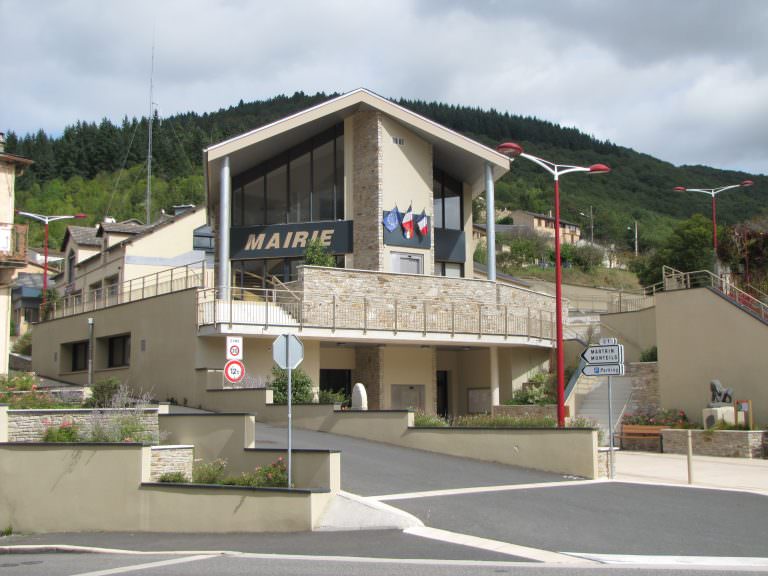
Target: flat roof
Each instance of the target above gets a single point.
(466, 157)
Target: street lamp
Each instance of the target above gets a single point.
(46, 220)
(591, 217)
(513, 150)
(714, 192)
(630, 229)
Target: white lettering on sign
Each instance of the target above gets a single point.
(604, 355)
(287, 240)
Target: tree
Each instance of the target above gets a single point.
(301, 386)
(317, 254)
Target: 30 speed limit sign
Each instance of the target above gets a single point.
(234, 347)
(234, 371)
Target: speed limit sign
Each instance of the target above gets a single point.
(234, 347)
(234, 371)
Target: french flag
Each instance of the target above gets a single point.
(408, 223)
(422, 223)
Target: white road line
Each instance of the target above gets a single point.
(484, 489)
(146, 566)
(711, 561)
(497, 546)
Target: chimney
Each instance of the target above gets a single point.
(2, 142)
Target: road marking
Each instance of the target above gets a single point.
(483, 489)
(146, 566)
(719, 561)
(497, 546)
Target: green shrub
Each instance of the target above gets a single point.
(18, 382)
(65, 432)
(119, 427)
(103, 393)
(539, 390)
(31, 400)
(173, 478)
(330, 397)
(650, 355)
(274, 475)
(423, 420)
(301, 386)
(7, 531)
(24, 344)
(672, 418)
(209, 472)
(318, 254)
(489, 421)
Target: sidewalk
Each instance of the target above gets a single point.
(708, 471)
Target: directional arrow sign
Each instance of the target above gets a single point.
(603, 370)
(604, 354)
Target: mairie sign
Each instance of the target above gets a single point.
(604, 354)
(289, 240)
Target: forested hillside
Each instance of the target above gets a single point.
(100, 168)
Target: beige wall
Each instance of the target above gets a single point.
(517, 365)
(702, 337)
(83, 489)
(635, 330)
(7, 187)
(337, 358)
(407, 181)
(410, 366)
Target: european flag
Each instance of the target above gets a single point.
(392, 219)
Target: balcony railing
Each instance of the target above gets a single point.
(13, 244)
(163, 282)
(301, 310)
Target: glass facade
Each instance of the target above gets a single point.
(448, 210)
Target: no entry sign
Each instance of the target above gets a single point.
(234, 371)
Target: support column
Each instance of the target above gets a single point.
(494, 371)
(225, 193)
(490, 222)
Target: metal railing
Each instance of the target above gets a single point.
(677, 280)
(615, 302)
(308, 309)
(161, 282)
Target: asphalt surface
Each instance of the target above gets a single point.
(374, 469)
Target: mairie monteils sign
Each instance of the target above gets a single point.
(289, 240)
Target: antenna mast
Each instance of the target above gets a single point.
(149, 139)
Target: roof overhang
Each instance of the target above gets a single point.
(465, 157)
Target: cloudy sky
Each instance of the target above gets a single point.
(683, 80)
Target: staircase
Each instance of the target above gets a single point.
(592, 400)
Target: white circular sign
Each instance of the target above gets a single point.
(234, 371)
(234, 350)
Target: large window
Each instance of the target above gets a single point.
(79, 356)
(448, 207)
(304, 184)
(119, 351)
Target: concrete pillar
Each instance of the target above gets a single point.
(3, 423)
(490, 221)
(494, 372)
(225, 194)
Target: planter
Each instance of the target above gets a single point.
(729, 443)
(522, 410)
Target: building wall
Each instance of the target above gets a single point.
(407, 173)
(635, 330)
(702, 337)
(339, 358)
(517, 365)
(367, 163)
(368, 372)
(411, 366)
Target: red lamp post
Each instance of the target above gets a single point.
(513, 150)
(714, 192)
(46, 220)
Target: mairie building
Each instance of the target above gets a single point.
(389, 194)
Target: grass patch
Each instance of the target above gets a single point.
(598, 278)
(7, 531)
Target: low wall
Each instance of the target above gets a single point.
(87, 487)
(525, 410)
(729, 443)
(30, 425)
(567, 451)
(171, 459)
(231, 437)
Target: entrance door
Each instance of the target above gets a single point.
(442, 392)
(405, 263)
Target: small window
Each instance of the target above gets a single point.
(80, 356)
(450, 269)
(398, 140)
(119, 351)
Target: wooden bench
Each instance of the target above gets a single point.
(641, 431)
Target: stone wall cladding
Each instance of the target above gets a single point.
(645, 387)
(368, 371)
(522, 410)
(372, 300)
(368, 241)
(728, 443)
(167, 459)
(30, 425)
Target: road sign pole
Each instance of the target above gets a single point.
(290, 416)
(612, 462)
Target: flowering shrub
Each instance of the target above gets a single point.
(273, 475)
(672, 418)
(64, 432)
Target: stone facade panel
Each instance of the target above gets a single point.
(170, 459)
(727, 443)
(30, 425)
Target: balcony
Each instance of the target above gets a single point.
(355, 305)
(13, 245)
